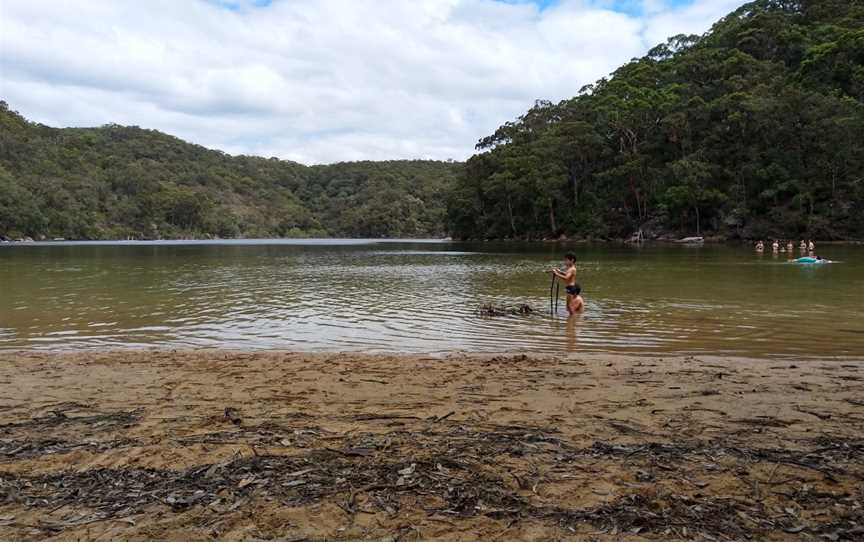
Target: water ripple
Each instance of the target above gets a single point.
(422, 298)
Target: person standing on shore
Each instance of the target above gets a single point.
(574, 300)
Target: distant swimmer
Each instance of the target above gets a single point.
(775, 246)
(574, 300)
(811, 246)
(790, 246)
(760, 246)
(810, 259)
(803, 246)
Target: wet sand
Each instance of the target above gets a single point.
(278, 446)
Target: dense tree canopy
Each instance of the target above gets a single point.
(754, 129)
(116, 182)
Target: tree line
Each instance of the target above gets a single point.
(752, 130)
(119, 182)
(755, 129)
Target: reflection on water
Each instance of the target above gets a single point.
(421, 297)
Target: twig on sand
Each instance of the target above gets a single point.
(812, 413)
(436, 419)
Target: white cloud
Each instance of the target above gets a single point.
(695, 18)
(318, 80)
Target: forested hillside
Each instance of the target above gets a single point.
(755, 129)
(116, 182)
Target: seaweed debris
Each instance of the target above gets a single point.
(492, 310)
(465, 470)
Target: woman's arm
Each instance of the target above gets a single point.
(563, 276)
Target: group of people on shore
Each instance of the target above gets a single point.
(777, 247)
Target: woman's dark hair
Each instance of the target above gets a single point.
(577, 289)
(570, 256)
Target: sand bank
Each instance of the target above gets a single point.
(278, 446)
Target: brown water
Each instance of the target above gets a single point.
(335, 295)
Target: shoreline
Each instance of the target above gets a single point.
(708, 241)
(238, 445)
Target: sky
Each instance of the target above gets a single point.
(321, 81)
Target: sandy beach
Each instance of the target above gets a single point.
(222, 445)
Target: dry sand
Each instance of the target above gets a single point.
(277, 446)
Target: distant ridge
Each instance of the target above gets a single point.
(118, 182)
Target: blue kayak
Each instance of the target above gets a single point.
(809, 259)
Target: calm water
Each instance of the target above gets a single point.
(422, 297)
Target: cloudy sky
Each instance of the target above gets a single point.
(321, 81)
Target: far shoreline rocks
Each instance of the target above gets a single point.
(562, 239)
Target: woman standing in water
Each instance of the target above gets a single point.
(574, 300)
